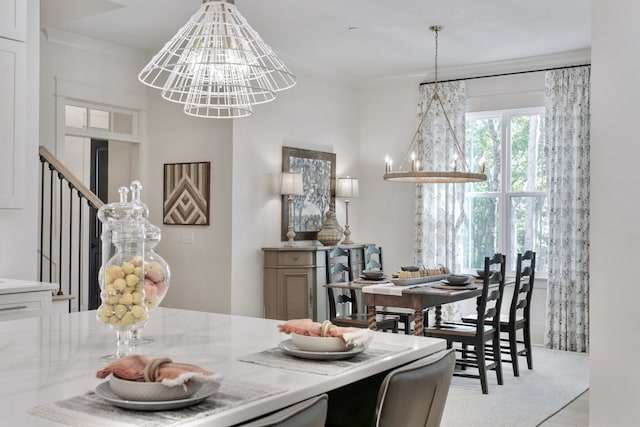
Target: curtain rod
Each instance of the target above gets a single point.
(506, 74)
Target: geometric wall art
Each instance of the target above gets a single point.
(186, 193)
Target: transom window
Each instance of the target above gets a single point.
(508, 212)
(83, 119)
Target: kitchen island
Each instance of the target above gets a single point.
(51, 361)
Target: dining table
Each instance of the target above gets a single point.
(49, 366)
(416, 296)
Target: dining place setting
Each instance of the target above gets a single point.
(322, 348)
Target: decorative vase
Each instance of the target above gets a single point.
(331, 232)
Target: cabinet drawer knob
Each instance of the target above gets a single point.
(295, 257)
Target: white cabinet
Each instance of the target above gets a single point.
(12, 122)
(13, 70)
(13, 19)
(20, 299)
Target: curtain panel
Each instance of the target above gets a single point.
(567, 93)
(439, 207)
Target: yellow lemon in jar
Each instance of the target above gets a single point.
(132, 279)
(139, 312)
(115, 271)
(119, 284)
(128, 268)
(127, 320)
(126, 299)
(113, 299)
(120, 310)
(137, 298)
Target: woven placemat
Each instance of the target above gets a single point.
(370, 282)
(90, 409)
(455, 287)
(277, 358)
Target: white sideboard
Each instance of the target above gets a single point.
(22, 298)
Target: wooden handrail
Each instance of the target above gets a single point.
(70, 177)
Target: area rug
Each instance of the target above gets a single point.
(557, 378)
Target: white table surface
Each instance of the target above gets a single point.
(54, 358)
(12, 286)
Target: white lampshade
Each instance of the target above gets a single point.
(347, 188)
(291, 184)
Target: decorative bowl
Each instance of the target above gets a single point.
(319, 344)
(457, 279)
(151, 391)
(372, 274)
(494, 276)
(409, 268)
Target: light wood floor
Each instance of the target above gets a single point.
(576, 414)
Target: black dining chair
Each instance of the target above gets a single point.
(477, 334)
(308, 413)
(338, 265)
(519, 316)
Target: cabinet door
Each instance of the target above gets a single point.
(13, 19)
(295, 294)
(12, 122)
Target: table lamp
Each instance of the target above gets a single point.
(347, 188)
(291, 185)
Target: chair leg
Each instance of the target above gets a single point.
(482, 367)
(527, 345)
(497, 357)
(513, 347)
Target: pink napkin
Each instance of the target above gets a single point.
(136, 367)
(355, 336)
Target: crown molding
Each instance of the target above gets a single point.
(85, 43)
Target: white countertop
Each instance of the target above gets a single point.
(12, 286)
(48, 359)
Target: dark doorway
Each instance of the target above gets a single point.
(100, 186)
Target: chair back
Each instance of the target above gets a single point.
(523, 289)
(415, 394)
(338, 265)
(309, 413)
(373, 257)
(489, 303)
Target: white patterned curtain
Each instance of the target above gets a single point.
(567, 93)
(439, 207)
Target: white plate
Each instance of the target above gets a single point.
(416, 280)
(104, 391)
(290, 348)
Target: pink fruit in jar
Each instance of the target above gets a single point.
(150, 290)
(162, 288)
(155, 272)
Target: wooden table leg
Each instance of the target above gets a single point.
(371, 311)
(416, 305)
(438, 315)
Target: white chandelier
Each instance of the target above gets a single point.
(217, 65)
(415, 173)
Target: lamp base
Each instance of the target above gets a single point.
(347, 236)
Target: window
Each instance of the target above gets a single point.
(508, 212)
(86, 120)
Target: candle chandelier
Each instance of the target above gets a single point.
(460, 170)
(217, 65)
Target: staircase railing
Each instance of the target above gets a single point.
(63, 234)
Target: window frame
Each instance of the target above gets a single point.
(506, 196)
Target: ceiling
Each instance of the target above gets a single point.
(390, 37)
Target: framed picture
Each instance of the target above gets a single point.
(186, 193)
(318, 171)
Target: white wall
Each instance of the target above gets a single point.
(18, 227)
(201, 270)
(319, 113)
(615, 103)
